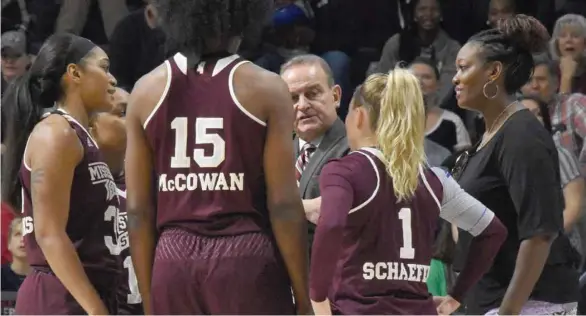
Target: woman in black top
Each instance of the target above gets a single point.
(514, 171)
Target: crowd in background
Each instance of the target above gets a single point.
(355, 38)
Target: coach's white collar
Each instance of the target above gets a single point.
(315, 142)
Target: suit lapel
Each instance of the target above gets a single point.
(334, 134)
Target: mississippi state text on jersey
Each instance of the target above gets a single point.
(91, 225)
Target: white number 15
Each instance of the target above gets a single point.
(202, 136)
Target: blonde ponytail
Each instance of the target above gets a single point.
(401, 131)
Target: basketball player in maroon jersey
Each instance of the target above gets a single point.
(380, 208)
(213, 133)
(66, 187)
(108, 129)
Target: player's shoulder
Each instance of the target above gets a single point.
(155, 77)
(358, 161)
(438, 173)
(149, 90)
(55, 134)
(54, 130)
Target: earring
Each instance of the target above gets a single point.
(486, 94)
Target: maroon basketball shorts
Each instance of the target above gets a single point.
(195, 274)
(42, 293)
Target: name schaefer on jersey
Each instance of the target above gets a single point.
(395, 271)
(215, 181)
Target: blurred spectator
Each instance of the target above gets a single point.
(427, 39)
(568, 111)
(441, 126)
(352, 26)
(459, 20)
(14, 15)
(289, 36)
(15, 57)
(570, 176)
(292, 36)
(499, 10)
(568, 47)
(137, 46)
(543, 10)
(13, 273)
(74, 13)
(43, 14)
(564, 7)
(6, 218)
(435, 153)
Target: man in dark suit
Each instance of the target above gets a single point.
(320, 134)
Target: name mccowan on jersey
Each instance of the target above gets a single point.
(202, 181)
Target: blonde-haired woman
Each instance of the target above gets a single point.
(568, 46)
(380, 207)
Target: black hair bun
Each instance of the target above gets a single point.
(525, 32)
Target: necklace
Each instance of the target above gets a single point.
(492, 126)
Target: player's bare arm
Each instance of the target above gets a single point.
(286, 210)
(337, 196)
(138, 173)
(54, 151)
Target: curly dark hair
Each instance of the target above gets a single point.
(512, 43)
(200, 26)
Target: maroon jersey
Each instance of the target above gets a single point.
(380, 258)
(91, 225)
(127, 296)
(208, 152)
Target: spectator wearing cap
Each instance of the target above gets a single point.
(15, 57)
(291, 35)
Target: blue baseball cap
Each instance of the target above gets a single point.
(288, 15)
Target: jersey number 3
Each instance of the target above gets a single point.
(203, 135)
(407, 251)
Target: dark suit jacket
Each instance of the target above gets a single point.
(333, 145)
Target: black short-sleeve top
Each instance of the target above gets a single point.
(516, 175)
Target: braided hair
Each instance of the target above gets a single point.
(195, 27)
(512, 43)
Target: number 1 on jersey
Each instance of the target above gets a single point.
(407, 251)
(202, 136)
(134, 296)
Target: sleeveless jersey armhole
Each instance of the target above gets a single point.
(378, 178)
(24, 163)
(163, 95)
(69, 120)
(428, 187)
(235, 99)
